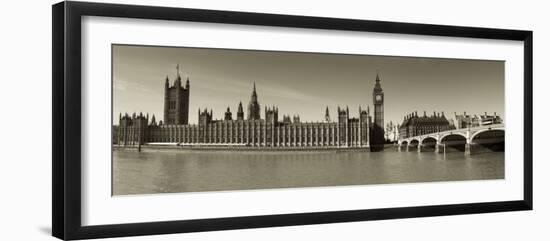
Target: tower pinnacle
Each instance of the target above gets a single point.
(253, 105)
(240, 112)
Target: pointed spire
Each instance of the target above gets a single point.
(178, 70)
(377, 86)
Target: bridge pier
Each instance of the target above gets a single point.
(407, 147)
(467, 145)
(437, 143)
(419, 148)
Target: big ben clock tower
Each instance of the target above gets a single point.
(378, 101)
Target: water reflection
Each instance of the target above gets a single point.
(192, 171)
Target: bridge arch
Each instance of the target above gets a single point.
(454, 142)
(465, 139)
(414, 144)
(476, 134)
(488, 140)
(428, 139)
(453, 134)
(428, 144)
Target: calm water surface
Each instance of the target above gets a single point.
(192, 171)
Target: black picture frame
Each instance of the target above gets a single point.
(66, 127)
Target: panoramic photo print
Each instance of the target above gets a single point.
(202, 119)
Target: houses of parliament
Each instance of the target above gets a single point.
(250, 130)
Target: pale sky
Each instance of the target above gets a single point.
(304, 83)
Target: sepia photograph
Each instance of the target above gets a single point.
(187, 119)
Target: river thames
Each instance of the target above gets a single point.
(171, 171)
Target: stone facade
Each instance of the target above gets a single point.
(176, 101)
(414, 125)
(344, 132)
(378, 125)
(465, 121)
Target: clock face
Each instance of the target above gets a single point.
(378, 98)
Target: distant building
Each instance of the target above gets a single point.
(414, 125)
(465, 121)
(345, 131)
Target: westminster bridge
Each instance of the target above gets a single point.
(464, 139)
